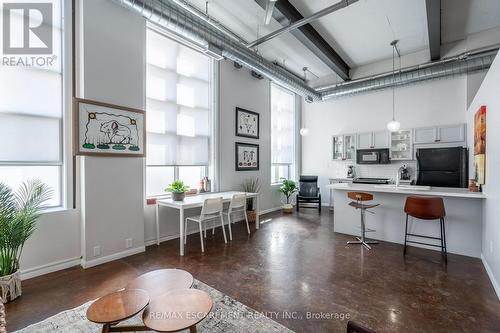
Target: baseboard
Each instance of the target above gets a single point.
(49, 268)
(270, 210)
(114, 256)
(494, 282)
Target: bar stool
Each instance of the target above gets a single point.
(360, 197)
(426, 208)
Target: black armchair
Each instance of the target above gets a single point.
(309, 192)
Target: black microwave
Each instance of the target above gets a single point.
(372, 156)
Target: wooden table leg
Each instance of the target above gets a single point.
(193, 329)
(105, 328)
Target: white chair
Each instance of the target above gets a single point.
(238, 205)
(212, 209)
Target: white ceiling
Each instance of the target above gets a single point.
(360, 33)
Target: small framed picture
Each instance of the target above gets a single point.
(247, 123)
(247, 156)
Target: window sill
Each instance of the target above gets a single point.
(54, 210)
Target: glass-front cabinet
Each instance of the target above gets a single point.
(344, 147)
(401, 145)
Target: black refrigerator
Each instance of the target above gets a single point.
(443, 167)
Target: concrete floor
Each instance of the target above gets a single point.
(296, 267)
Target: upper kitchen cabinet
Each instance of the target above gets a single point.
(440, 134)
(373, 140)
(344, 147)
(401, 145)
(365, 140)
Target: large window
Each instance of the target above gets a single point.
(31, 104)
(282, 134)
(178, 114)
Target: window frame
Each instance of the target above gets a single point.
(292, 167)
(209, 169)
(65, 162)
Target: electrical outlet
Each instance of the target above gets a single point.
(491, 246)
(97, 251)
(128, 243)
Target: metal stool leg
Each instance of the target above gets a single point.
(444, 240)
(406, 234)
(363, 241)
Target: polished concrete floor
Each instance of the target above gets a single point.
(296, 267)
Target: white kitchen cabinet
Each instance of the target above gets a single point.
(425, 135)
(401, 145)
(440, 134)
(380, 140)
(365, 140)
(344, 147)
(452, 133)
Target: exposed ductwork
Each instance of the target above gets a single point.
(175, 16)
(196, 28)
(464, 63)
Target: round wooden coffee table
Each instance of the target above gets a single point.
(116, 307)
(161, 281)
(177, 310)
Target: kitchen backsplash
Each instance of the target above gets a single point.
(339, 169)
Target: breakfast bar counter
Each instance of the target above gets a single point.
(463, 215)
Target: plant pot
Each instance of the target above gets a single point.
(287, 208)
(178, 196)
(10, 286)
(252, 216)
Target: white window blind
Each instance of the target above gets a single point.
(282, 133)
(31, 115)
(178, 113)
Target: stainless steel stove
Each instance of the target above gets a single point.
(371, 181)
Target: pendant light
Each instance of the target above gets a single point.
(393, 125)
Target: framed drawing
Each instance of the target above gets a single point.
(102, 129)
(247, 123)
(480, 145)
(246, 156)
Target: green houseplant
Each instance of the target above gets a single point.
(178, 190)
(19, 213)
(287, 188)
(251, 185)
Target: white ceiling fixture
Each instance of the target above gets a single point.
(269, 11)
(394, 125)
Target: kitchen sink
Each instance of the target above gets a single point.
(405, 187)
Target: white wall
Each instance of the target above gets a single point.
(488, 95)
(239, 88)
(113, 64)
(426, 104)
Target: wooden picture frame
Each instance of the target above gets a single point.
(247, 123)
(110, 130)
(246, 160)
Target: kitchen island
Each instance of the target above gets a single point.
(463, 215)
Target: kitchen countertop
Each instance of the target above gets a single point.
(433, 191)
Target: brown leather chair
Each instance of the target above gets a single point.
(359, 198)
(426, 208)
(353, 327)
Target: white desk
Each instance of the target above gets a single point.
(194, 202)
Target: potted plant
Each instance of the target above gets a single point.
(178, 190)
(251, 185)
(19, 213)
(288, 188)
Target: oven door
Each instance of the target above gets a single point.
(367, 156)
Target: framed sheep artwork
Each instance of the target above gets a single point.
(247, 123)
(246, 156)
(102, 129)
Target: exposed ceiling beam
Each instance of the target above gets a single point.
(433, 8)
(285, 13)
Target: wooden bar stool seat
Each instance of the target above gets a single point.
(426, 208)
(359, 198)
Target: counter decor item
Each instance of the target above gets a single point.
(178, 190)
(103, 129)
(247, 123)
(207, 184)
(251, 185)
(287, 188)
(19, 213)
(246, 156)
